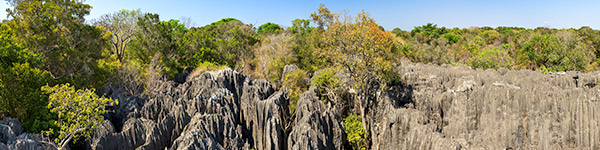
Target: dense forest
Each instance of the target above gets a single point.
(51, 56)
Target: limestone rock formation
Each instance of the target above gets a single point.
(217, 110)
(317, 125)
(432, 107)
(455, 107)
(12, 137)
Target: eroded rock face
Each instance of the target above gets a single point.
(433, 107)
(12, 137)
(455, 107)
(317, 125)
(217, 110)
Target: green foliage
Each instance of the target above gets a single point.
(56, 30)
(452, 37)
(229, 39)
(357, 136)
(79, 112)
(20, 81)
(164, 37)
(300, 26)
(327, 81)
(399, 33)
(296, 83)
(491, 58)
(538, 49)
(428, 32)
(122, 25)
(274, 69)
(21, 98)
(269, 28)
(541, 50)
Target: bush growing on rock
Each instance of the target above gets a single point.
(79, 112)
(296, 83)
(328, 84)
(355, 131)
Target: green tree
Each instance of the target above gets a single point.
(427, 32)
(323, 17)
(328, 84)
(541, 50)
(227, 42)
(491, 58)
(79, 112)
(122, 25)
(269, 28)
(300, 26)
(294, 81)
(360, 46)
(155, 36)
(20, 81)
(55, 30)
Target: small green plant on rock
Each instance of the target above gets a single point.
(356, 134)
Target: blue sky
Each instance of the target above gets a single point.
(389, 14)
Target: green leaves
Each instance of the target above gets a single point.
(491, 58)
(20, 80)
(269, 28)
(56, 30)
(79, 111)
(225, 42)
(294, 81)
(355, 132)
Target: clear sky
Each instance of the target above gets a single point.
(389, 14)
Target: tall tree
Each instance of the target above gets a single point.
(123, 26)
(360, 46)
(55, 29)
(323, 17)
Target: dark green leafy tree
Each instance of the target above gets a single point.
(20, 80)
(55, 30)
(269, 28)
(227, 41)
(155, 36)
(428, 32)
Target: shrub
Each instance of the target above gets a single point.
(79, 112)
(453, 38)
(130, 75)
(296, 84)
(274, 52)
(20, 81)
(328, 83)
(269, 28)
(357, 136)
(491, 58)
(21, 98)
